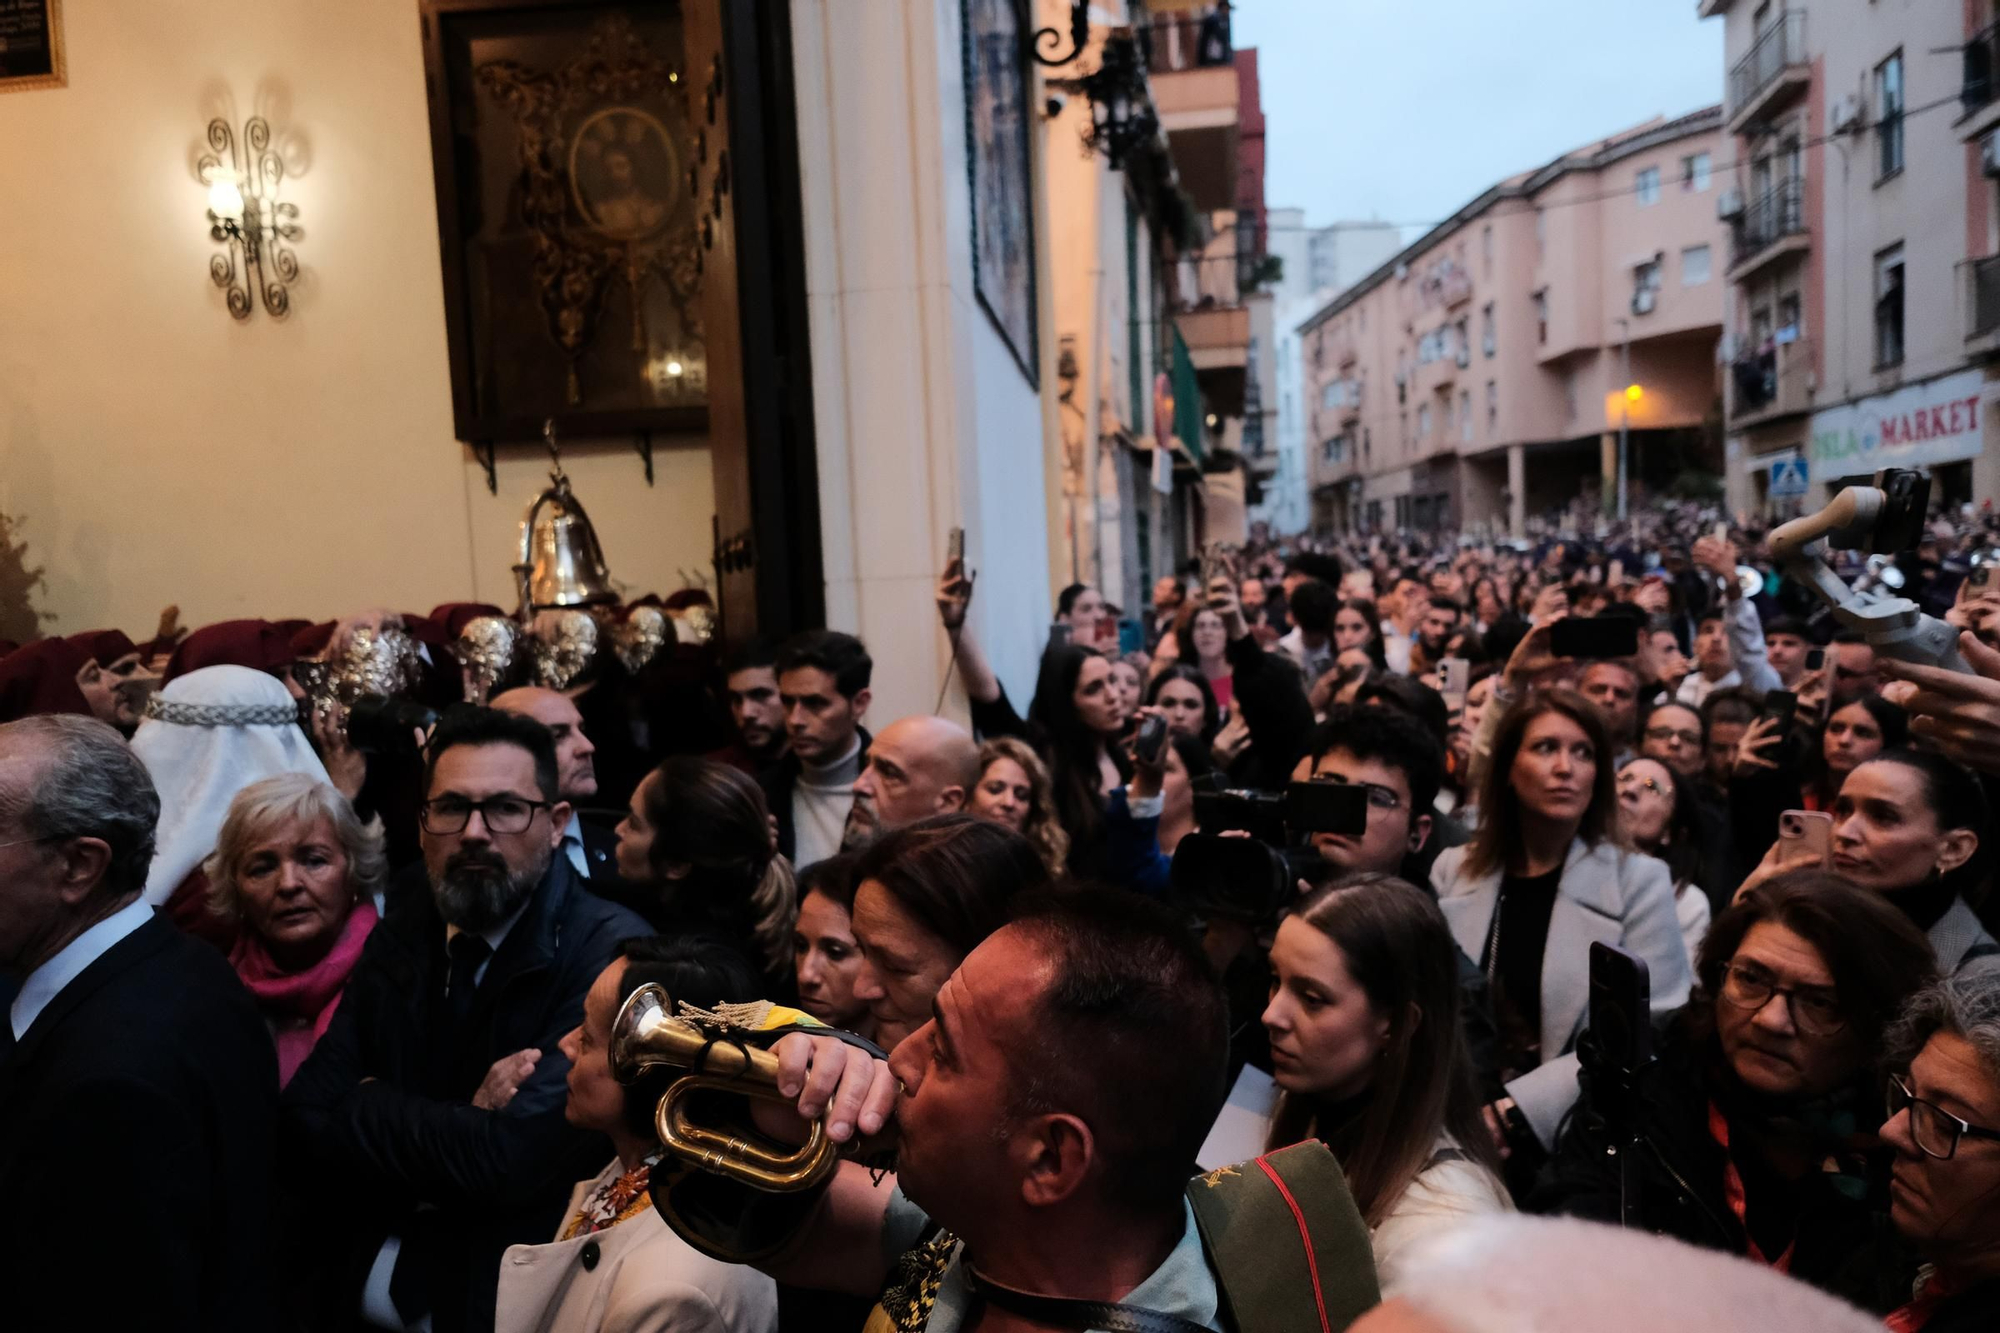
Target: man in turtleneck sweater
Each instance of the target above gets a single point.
(823, 680)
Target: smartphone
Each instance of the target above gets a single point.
(1059, 635)
(954, 549)
(1621, 1008)
(1327, 807)
(1131, 636)
(1149, 744)
(1721, 532)
(1807, 831)
(1782, 707)
(1454, 678)
(1815, 659)
(1595, 637)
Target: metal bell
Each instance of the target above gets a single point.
(561, 563)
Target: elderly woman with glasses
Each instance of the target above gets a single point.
(1753, 1130)
(1944, 1123)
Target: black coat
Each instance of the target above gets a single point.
(137, 1117)
(778, 782)
(406, 1153)
(1843, 1242)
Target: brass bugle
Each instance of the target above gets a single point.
(647, 1035)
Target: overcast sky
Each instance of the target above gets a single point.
(1406, 109)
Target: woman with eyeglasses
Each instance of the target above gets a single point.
(1753, 1129)
(1944, 1125)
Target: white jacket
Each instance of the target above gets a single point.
(1606, 893)
(635, 1277)
(1447, 1193)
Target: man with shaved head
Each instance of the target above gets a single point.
(589, 847)
(917, 767)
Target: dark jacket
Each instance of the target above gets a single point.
(778, 782)
(405, 1153)
(1272, 698)
(1842, 1239)
(141, 1105)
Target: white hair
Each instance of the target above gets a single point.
(1509, 1273)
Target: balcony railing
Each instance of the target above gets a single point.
(1770, 217)
(1982, 298)
(1195, 39)
(1781, 45)
(1773, 381)
(1981, 79)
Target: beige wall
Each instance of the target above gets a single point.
(1592, 234)
(158, 451)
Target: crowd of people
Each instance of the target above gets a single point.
(335, 1017)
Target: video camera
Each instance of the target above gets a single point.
(1253, 879)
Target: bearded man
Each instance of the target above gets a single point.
(426, 1134)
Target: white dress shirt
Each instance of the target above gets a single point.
(47, 981)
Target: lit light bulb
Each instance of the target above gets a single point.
(225, 198)
(675, 368)
(1633, 393)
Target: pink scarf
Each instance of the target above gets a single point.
(299, 1005)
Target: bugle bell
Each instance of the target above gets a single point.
(648, 1035)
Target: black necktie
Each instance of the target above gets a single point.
(468, 952)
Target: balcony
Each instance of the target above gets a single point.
(1979, 85)
(1981, 283)
(1775, 70)
(1772, 227)
(1218, 343)
(1772, 383)
(1192, 66)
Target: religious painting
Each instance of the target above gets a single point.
(997, 92)
(31, 47)
(575, 162)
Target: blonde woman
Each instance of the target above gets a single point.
(1014, 789)
(298, 875)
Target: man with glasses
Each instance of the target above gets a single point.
(1400, 764)
(428, 1123)
(1944, 1123)
(1672, 734)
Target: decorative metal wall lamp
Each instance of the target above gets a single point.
(246, 216)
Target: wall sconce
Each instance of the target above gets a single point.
(1121, 107)
(245, 215)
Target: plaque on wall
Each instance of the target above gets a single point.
(31, 49)
(998, 160)
(576, 170)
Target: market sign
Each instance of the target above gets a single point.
(1934, 422)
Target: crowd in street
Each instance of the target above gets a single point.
(1304, 863)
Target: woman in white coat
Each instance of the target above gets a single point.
(1543, 878)
(1368, 1050)
(614, 1266)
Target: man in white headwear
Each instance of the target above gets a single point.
(205, 737)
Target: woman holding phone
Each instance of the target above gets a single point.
(1771, 776)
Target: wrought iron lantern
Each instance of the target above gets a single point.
(244, 214)
(1121, 106)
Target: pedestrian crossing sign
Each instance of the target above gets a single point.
(1788, 478)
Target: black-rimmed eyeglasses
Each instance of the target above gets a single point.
(1935, 1130)
(500, 814)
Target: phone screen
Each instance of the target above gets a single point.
(1621, 998)
(1595, 637)
(1327, 807)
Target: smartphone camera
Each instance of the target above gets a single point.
(1900, 526)
(1149, 745)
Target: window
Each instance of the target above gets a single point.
(1541, 233)
(1361, 320)
(1889, 115)
(1569, 399)
(1486, 333)
(1367, 443)
(1694, 172)
(1695, 265)
(1465, 415)
(1462, 335)
(1444, 409)
(1423, 421)
(1648, 187)
(1492, 407)
(1889, 307)
(1329, 394)
(1788, 317)
(1646, 276)
(1542, 317)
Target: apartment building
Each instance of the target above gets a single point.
(1863, 309)
(1484, 372)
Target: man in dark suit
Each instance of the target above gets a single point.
(427, 1127)
(591, 848)
(138, 1085)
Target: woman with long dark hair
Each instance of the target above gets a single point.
(1202, 635)
(1770, 778)
(1545, 875)
(1357, 624)
(698, 838)
(1182, 694)
(1368, 1050)
(1657, 816)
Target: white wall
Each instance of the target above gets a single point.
(158, 451)
(923, 418)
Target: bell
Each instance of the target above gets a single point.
(561, 563)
